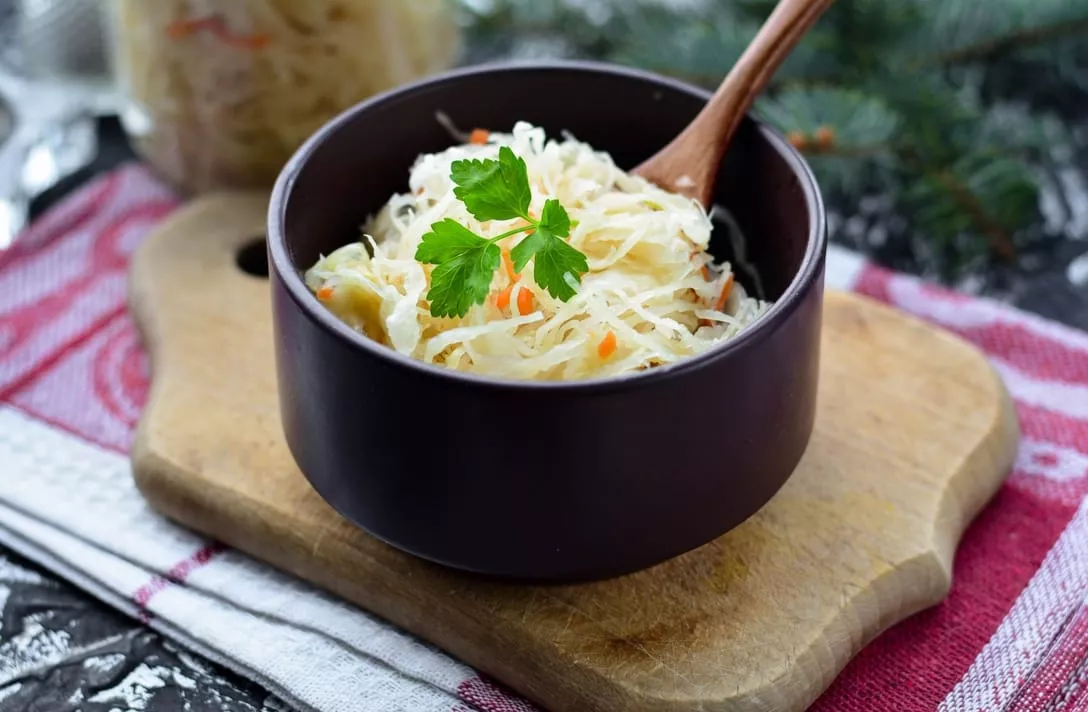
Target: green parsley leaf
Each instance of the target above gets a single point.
(493, 190)
(553, 262)
(524, 250)
(554, 257)
(554, 218)
(447, 240)
(466, 264)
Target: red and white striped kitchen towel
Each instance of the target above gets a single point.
(1012, 635)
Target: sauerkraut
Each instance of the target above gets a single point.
(220, 93)
(653, 294)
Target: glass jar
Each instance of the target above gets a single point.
(217, 94)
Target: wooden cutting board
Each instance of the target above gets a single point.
(914, 434)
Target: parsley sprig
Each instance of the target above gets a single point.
(466, 262)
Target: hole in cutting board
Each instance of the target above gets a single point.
(252, 258)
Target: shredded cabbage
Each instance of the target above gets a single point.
(647, 284)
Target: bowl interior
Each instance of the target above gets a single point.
(356, 162)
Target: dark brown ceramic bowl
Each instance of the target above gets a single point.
(544, 481)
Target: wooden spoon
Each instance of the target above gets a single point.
(689, 164)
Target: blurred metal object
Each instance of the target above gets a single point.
(40, 150)
(60, 43)
(55, 78)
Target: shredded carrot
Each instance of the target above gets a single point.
(726, 289)
(525, 302)
(502, 301)
(255, 41)
(479, 136)
(325, 294)
(509, 264)
(215, 24)
(183, 28)
(705, 269)
(719, 303)
(607, 347)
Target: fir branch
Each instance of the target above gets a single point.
(1000, 240)
(982, 193)
(857, 151)
(964, 31)
(1026, 37)
(855, 117)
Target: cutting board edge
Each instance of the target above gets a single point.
(1003, 443)
(980, 477)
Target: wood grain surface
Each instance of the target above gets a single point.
(914, 434)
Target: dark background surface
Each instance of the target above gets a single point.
(61, 650)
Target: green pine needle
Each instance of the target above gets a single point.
(959, 31)
(984, 193)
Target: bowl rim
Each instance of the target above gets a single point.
(811, 267)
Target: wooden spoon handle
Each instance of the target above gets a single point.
(698, 150)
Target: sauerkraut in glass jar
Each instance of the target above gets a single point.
(220, 93)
